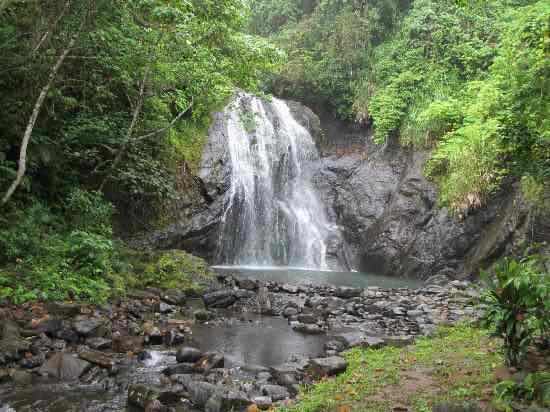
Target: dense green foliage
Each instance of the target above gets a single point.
(467, 80)
(124, 118)
(518, 305)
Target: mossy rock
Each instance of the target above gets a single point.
(171, 269)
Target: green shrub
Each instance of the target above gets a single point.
(89, 211)
(534, 389)
(518, 304)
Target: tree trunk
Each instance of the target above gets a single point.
(130, 131)
(22, 165)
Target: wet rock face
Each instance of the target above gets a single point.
(393, 226)
(378, 195)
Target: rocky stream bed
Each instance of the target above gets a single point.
(242, 345)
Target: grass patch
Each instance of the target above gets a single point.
(457, 364)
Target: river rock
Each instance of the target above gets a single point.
(308, 329)
(141, 395)
(99, 343)
(21, 378)
(275, 392)
(330, 366)
(174, 297)
(65, 367)
(203, 315)
(124, 344)
(247, 284)
(12, 346)
(188, 354)
(180, 369)
(87, 326)
(347, 292)
(263, 402)
(210, 360)
(63, 309)
(97, 358)
(219, 299)
(200, 392)
(227, 401)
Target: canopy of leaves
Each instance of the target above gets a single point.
(468, 80)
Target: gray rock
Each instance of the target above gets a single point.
(165, 308)
(227, 401)
(330, 366)
(288, 288)
(275, 392)
(87, 326)
(347, 292)
(263, 402)
(99, 343)
(188, 354)
(200, 392)
(219, 299)
(204, 315)
(12, 345)
(308, 329)
(247, 284)
(209, 361)
(65, 367)
(180, 369)
(290, 311)
(307, 318)
(141, 395)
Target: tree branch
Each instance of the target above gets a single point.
(22, 164)
(130, 131)
(166, 128)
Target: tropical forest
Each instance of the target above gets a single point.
(275, 205)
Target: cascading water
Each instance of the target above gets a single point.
(272, 215)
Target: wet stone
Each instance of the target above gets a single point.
(188, 354)
(330, 366)
(262, 402)
(99, 343)
(209, 361)
(200, 392)
(65, 367)
(275, 392)
(87, 326)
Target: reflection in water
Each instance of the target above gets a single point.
(299, 276)
(257, 341)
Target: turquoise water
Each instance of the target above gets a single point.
(300, 276)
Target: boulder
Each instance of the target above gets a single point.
(275, 392)
(180, 369)
(87, 326)
(330, 366)
(12, 345)
(219, 299)
(188, 354)
(263, 402)
(200, 392)
(124, 344)
(99, 343)
(97, 358)
(227, 401)
(209, 361)
(141, 396)
(65, 367)
(308, 329)
(347, 292)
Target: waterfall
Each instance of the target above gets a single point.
(272, 214)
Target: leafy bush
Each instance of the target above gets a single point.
(518, 304)
(534, 389)
(89, 211)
